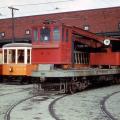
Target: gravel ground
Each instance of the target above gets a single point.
(7, 99)
(33, 109)
(80, 106)
(86, 105)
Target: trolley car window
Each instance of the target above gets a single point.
(28, 56)
(20, 56)
(1, 58)
(11, 56)
(44, 34)
(56, 33)
(35, 34)
(5, 56)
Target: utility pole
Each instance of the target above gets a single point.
(13, 25)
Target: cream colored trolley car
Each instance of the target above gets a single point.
(17, 62)
(1, 64)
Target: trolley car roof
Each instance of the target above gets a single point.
(17, 45)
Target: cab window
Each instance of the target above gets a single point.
(35, 34)
(56, 33)
(62, 34)
(67, 35)
(45, 34)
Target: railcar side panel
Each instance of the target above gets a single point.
(49, 56)
(111, 58)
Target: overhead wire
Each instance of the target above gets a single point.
(35, 12)
(42, 3)
(32, 4)
(60, 1)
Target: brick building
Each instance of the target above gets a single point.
(104, 21)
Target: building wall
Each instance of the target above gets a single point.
(98, 21)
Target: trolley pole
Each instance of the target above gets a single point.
(13, 25)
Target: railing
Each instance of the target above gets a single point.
(81, 57)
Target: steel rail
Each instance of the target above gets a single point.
(8, 112)
(51, 107)
(103, 106)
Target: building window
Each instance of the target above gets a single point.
(86, 27)
(2, 34)
(27, 32)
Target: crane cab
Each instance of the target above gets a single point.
(48, 46)
(54, 43)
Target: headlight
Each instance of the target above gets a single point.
(11, 69)
(106, 42)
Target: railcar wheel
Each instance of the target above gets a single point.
(85, 84)
(23, 80)
(1, 79)
(72, 88)
(80, 86)
(119, 81)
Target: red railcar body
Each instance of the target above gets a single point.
(56, 53)
(60, 43)
(106, 58)
(72, 55)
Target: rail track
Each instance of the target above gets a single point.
(51, 107)
(103, 106)
(8, 112)
(45, 96)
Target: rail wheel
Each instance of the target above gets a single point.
(73, 88)
(85, 84)
(80, 87)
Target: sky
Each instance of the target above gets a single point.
(38, 7)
